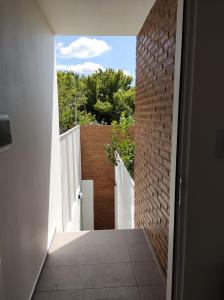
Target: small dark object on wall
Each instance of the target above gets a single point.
(5, 132)
(219, 151)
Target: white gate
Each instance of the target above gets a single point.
(124, 197)
(71, 179)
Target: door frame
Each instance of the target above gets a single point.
(174, 176)
(180, 147)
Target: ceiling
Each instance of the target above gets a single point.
(96, 17)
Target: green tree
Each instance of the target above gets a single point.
(122, 143)
(98, 98)
(72, 100)
(109, 93)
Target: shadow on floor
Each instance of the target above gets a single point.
(100, 265)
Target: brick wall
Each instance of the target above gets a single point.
(154, 105)
(95, 166)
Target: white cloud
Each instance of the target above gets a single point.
(127, 73)
(62, 67)
(85, 68)
(59, 45)
(84, 48)
(130, 74)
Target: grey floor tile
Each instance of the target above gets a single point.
(122, 293)
(90, 238)
(61, 278)
(105, 237)
(153, 292)
(107, 254)
(109, 275)
(135, 236)
(76, 239)
(68, 254)
(59, 295)
(147, 273)
(69, 236)
(140, 252)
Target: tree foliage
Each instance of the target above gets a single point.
(72, 100)
(98, 98)
(122, 143)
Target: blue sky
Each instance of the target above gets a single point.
(85, 55)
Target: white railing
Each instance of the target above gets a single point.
(71, 179)
(124, 197)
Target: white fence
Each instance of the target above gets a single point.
(71, 179)
(124, 197)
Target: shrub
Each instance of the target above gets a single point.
(122, 143)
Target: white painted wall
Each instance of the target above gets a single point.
(96, 17)
(29, 170)
(71, 179)
(124, 197)
(87, 205)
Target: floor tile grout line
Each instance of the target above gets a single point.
(129, 262)
(84, 279)
(99, 263)
(98, 288)
(112, 287)
(107, 244)
(159, 268)
(58, 290)
(101, 288)
(132, 263)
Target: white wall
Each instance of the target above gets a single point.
(70, 152)
(101, 17)
(29, 177)
(124, 197)
(55, 201)
(87, 205)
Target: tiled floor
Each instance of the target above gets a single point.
(100, 265)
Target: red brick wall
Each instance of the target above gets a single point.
(154, 105)
(96, 167)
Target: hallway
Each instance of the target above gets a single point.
(100, 265)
